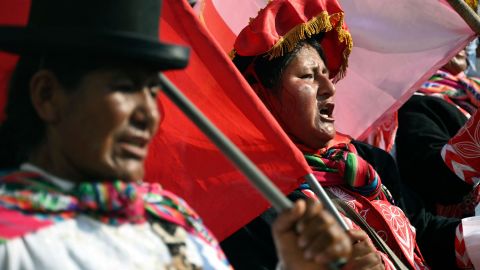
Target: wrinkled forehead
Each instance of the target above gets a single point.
(307, 56)
(310, 54)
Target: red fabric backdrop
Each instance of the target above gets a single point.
(183, 159)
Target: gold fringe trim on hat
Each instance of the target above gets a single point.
(344, 37)
(287, 43)
(232, 54)
(319, 24)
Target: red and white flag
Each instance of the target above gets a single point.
(187, 163)
(184, 160)
(181, 158)
(397, 46)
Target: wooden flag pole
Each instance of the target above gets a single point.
(256, 177)
(467, 13)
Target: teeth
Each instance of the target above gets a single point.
(325, 111)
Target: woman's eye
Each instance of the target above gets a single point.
(307, 76)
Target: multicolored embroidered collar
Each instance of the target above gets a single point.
(37, 202)
(341, 165)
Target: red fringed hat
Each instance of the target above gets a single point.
(283, 23)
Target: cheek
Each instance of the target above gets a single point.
(302, 106)
(112, 120)
(96, 126)
(298, 110)
(119, 109)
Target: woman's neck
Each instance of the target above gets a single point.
(43, 157)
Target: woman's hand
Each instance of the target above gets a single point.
(307, 237)
(364, 254)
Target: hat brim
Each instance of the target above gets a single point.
(163, 56)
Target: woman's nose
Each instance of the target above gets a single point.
(326, 88)
(146, 116)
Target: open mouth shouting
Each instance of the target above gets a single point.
(326, 111)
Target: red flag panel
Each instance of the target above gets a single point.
(181, 157)
(11, 13)
(184, 160)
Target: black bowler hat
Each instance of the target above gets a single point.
(119, 28)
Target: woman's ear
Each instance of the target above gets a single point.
(47, 95)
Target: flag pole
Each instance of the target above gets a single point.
(327, 202)
(256, 177)
(467, 13)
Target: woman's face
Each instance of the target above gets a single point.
(106, 124)
(304, 103)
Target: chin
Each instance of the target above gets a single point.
(133, 175)
(331, 136)
(328, 133)
(129, 170)
(325, 139)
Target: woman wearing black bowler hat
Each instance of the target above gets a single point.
(81, 112)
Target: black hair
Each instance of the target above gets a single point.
(269, 71)
(22, 129)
